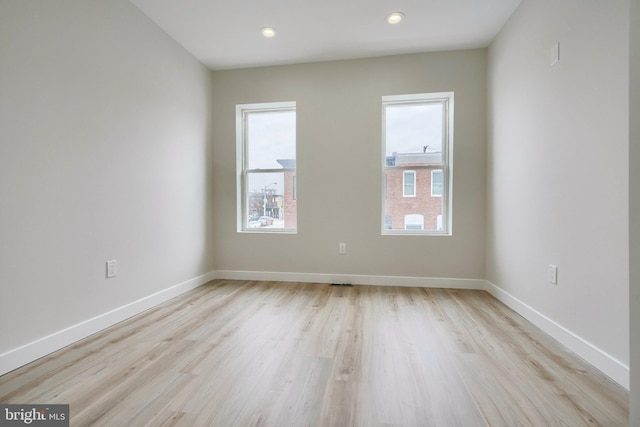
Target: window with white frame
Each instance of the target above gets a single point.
(436, 183)
(266, 167)
(414, 222)
(409, 184)
(417, 163)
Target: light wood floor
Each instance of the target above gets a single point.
(241, 353)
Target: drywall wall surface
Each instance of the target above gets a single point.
(104, 154)
(557, 167)
(339, 174)
(634, 210)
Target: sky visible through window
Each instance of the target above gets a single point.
(271, 136)
(410, 127)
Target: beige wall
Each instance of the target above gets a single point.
(339, 167)
(557, 168)
(104, 153)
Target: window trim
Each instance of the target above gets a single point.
(447, 99)
(294, 186)
(242, 172)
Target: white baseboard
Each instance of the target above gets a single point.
(27, 353)
(605, 363)
(354, 279)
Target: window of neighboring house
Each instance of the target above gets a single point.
(387, 222)
(417, 154)
(436, 183)
(266, 167)
(414, 222)
(409, 184)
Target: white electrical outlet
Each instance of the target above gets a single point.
(342, 248)
(553, 274)
(112, 268)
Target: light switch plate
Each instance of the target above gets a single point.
(555, 54)
(553, 274)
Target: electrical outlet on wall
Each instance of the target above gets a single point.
(112, 268)
(342, 248)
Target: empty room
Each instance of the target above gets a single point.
(305, 213)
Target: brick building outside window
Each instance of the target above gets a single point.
(413, 198)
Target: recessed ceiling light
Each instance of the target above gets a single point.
(268, 32)
(395, 17)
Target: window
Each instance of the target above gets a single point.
(417, 141)
(436, 183)
(414, 222)
(266, 167)
(409, 184)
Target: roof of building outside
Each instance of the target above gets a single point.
(287, 163)
(403, 159)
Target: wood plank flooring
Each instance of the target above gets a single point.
(246, 353)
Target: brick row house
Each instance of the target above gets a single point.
(413, 193)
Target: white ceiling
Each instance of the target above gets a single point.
(224, 34)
